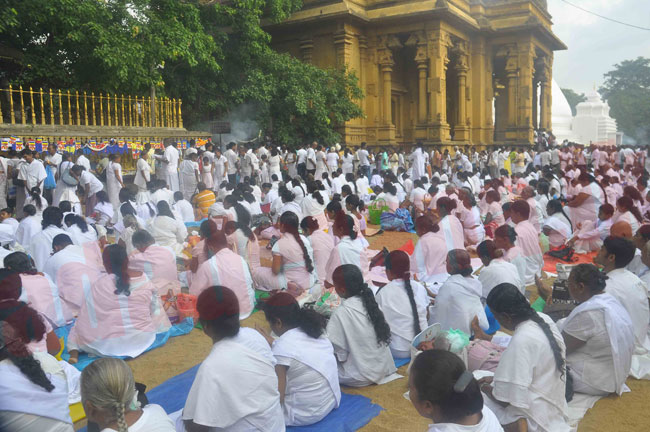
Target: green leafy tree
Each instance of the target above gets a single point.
(627, 90)
(573, 98)
(214, 55)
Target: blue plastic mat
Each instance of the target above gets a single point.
(354, 412)
(399, 362)
(492, 321)
(195, 224)
(179, 329)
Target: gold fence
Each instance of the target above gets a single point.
(56, 107)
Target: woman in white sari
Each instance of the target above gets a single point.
(599, 335)
(167, 230)
(142, 177)
(114, 181)
(530, 380)
(557, 226)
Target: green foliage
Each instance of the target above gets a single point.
(627, 90)
(573, 98)
(214, 55)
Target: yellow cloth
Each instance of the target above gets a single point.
(204, 200)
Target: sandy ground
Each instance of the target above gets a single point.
(613, 414)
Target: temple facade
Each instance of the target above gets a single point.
(451, 72)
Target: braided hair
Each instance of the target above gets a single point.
(398, 263)
(19, 325)
(506, 299)
(116, 262)
(350, 277)
(312, 188)
(108, 384)
(289, 221)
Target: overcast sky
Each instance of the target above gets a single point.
(596, 45)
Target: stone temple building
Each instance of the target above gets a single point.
(434, 70)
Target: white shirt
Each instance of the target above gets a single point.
(302, 155)
(534, 392)
(632, 293)
(457, 303)
(235, 388)
(88, 178)
(362, 155)
(361, 360)
(184, 208)
(153, 419)
(499, 271)
(232, 160)
(394, 302)
(171, 155)
(489, 423)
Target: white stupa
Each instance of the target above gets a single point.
(592, 123)
(561, 115)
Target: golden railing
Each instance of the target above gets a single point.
(56, 107)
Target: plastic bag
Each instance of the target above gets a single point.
(50, 182)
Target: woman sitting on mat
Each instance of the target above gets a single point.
(306, 366)
(349, 249)
(293, 262)
(459, 298)
(599, 335)
(443, 390)
(34, 387)
(236, 387)
(121, 314)
(224, 265)
(557, 225)
(496, 270)
(404, 303)
(530, 379)
(359, 332)
(321, 244)
(430, 254)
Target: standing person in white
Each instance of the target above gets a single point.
(32, 172)
(114, 182)
(364, 160)
(142, 177)
(220, 170)
(232, 163)
(169, 161)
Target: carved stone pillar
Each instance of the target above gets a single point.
(421, 61)
(439, 44)
(385, 61)
(511, 88)
(461, 131)
(343, 46)
(307, 50)
(545, 95)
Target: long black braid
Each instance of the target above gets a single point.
(289, 221)
(350, 276)
(396, 265)
(506, 298)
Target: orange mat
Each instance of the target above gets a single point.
(550, 262)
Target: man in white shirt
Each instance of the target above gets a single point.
(301, 162)
(311, 158)
(90, 184)
(545, 158)
(232, 163)
(32, 173)
(53, 160)
(364, 160)
(220, 168)
(169, 161)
